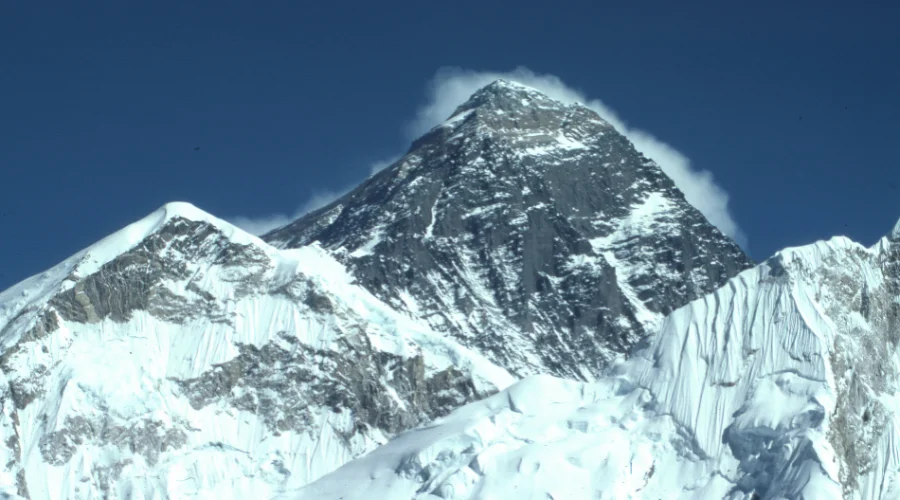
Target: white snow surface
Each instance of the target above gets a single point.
(41, 287)
(782, 384)
(120, 377)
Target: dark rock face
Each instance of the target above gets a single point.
(146, 438)
(26, 388)
(528, 229)
(286, 383)
(134, 280)
(861, 416)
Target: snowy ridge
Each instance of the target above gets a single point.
(183, 358)
(39, 288)
(753, 391)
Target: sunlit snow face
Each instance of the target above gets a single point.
(184, 349)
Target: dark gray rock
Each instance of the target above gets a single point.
(147, 438)
(285, 381)
(22, 484)
(860, 416)
(24, 387)
(135, 280)
(488, 224)
(106, 477)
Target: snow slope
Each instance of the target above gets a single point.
(183, 358)
(781, 384)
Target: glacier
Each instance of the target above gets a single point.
(781, 384)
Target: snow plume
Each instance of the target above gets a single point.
(259, 225)
(265, 223)
(451, 87)
(262, 224)
(378, 166)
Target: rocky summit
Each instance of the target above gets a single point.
(184, 358)
(528, 230)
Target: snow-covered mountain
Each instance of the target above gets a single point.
(782, 384)
(529, 230)
(184, 358)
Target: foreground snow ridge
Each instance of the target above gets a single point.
(781, 384)
(184, 358)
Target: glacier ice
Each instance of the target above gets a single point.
(781, 384)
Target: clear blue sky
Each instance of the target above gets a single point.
(103, 103)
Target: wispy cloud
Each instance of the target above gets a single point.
(452, 86)
(262, 224)
(265, 223)
(378, 166)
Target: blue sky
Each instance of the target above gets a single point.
(792, 110)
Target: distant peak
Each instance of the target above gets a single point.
(180, 205)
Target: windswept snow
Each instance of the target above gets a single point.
(743, 393)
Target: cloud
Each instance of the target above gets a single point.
(261, 225)
(451, 87)
(378, 166)
(265, 223)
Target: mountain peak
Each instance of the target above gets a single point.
(545, 221)
(91, 259)
(507, 96)
(120, 351)
(183, 209)
(188, 211)
(126, 238)
(508, 86)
